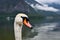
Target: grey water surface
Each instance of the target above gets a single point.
(47, 28)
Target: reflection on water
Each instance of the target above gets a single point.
(45, 32)
(48, 29)
(45, 29)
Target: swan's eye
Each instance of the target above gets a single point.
(21, 17)
(25, 18)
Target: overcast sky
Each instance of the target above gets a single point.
(48, 1)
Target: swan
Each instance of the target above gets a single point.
(20, 19)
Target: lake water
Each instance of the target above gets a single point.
(47, 28)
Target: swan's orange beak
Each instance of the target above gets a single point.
(27, 23)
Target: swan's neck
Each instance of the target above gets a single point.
(18, 31)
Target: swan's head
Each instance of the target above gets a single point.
(23, 19)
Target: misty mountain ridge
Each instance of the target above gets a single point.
(14, 5)
(10, 6)
(43, 12)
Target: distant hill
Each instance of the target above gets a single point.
(13, 6)
(55, 5)
(42, 12)
(9, 6)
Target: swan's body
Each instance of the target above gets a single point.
(20, 19)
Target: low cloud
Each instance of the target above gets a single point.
(49, 1)
(46, 8)
(45, 5)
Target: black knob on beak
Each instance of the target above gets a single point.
(32, 26)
